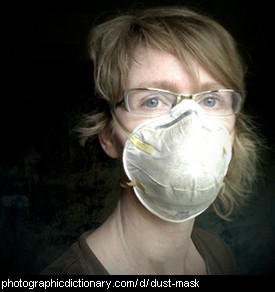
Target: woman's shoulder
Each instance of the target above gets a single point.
(218, 257)
(77, 260)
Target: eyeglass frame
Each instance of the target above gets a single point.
(179, 96)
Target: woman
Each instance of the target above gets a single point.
(170, 86)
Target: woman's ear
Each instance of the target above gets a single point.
(108, 142)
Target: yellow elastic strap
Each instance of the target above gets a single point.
(134, 183)
(225, 144)
(222, 189)
(140, 145)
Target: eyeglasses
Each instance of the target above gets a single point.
(152, 101)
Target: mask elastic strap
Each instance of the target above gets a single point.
(225, 144)
(140, 145)
(134, 183)
(222, 189)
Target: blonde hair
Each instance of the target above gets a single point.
(186, 34)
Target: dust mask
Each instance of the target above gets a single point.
(176, 163)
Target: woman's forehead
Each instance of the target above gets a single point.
(160, 69)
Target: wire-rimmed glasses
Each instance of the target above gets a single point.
(155, 102)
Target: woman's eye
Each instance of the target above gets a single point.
(156, 102)
(153, 102)
(209, 102)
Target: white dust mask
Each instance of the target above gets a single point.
(177, 163)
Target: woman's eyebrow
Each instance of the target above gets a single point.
(173, 86)
(210, 86)
(160, 84)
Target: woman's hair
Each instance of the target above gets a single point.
(189, 36)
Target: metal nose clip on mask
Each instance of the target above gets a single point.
(177, 163)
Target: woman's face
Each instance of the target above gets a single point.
(158, 69)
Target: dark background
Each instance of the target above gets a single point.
(51, 188)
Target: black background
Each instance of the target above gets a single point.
(52, 189)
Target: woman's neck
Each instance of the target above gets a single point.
(134, 241)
